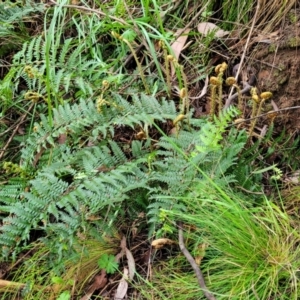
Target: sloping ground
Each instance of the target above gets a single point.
(277, 61)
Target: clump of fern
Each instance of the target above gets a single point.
(80, 182)
(194, 156)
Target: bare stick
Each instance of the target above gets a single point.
(191, 260)
(268, 113)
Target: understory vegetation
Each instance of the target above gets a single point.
(135, 162)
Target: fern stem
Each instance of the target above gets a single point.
(213, 100)
(167, 66)
(138, 65)
(48, 76)
(185, 103)
(220, 89)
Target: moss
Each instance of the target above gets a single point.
(280, 77)
(293, 18)
(272, 48)
(281, 67)
(283, 80)
(294, 42)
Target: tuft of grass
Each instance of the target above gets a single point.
(252, 251)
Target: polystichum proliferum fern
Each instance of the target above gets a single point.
(74, 180)
(80, 189)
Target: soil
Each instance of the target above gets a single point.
(278, 71)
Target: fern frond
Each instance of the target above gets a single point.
(74, 120)
(53, 202)
(65, 70)
(10, 12)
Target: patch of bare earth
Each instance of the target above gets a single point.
(277, 61)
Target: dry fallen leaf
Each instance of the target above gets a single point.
(122, 252)
(293, 178)
(21, 130)
(206, 27)
(62, 138)
(159, 243)
(99, 282)
(173, 131)
(123, 243)
(122, 287)
(38, 156)
(200, 252)
(267, 38)
(179, 43)
(129, 256)
(204, 90)
(131, 263)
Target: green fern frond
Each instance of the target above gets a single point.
(9, 193)
(74, 120)
(10, 12)
(65, 70)
(212, 133)
(178, 171)
(53, 202)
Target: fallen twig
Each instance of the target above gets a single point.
(247, 88)
(191, 260)
(265, 114)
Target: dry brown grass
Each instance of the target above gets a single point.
(273, 13)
